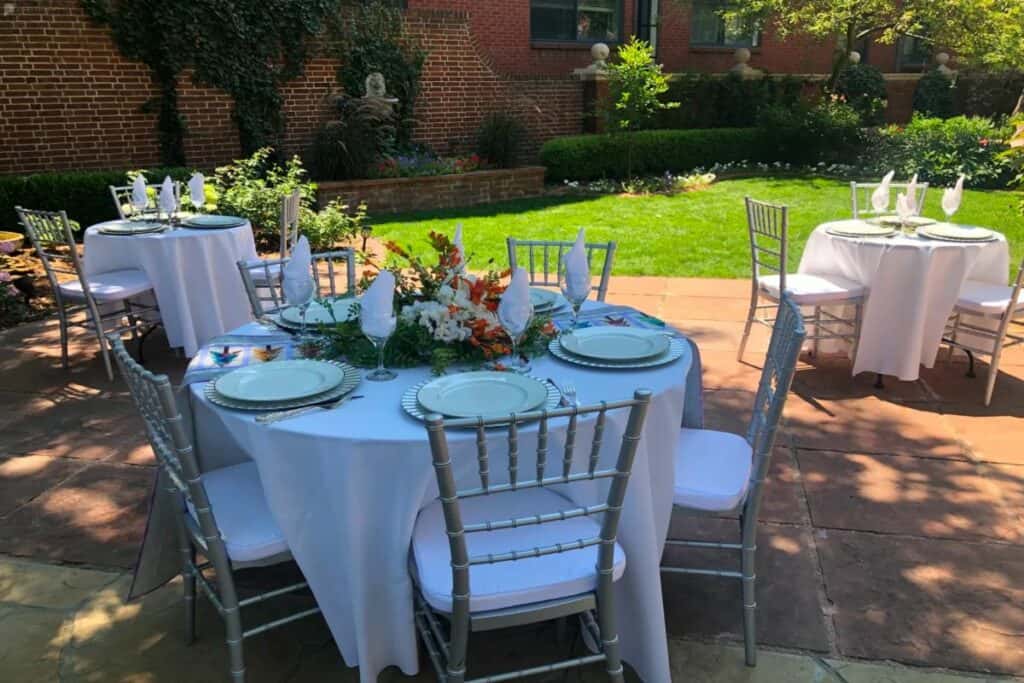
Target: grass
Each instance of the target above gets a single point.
(696, 234)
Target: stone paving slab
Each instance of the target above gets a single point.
(906, 495)
(926, 601)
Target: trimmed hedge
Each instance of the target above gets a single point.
(85, 195)
(653, 152)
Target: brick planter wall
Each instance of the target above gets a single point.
(393, 195)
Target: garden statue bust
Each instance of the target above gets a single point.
(375, 85)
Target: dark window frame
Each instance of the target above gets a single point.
(620, 15)
(753, 42)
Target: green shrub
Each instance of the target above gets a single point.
(933, 95)
(730, 101)
(332, 224)
(939, 150)
(85, 195)
(863, 88)
(499, 139)
(828, 131)
(654, 152)
(635, 86)
(987, 93)
(345, 148)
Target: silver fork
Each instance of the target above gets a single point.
(270, 418)
(569, 395)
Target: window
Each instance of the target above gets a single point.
(589, 21)
(912, 53)
(709, 28)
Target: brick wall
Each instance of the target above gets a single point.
(392, 195)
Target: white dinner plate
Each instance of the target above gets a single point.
(859, 228)
(212, 221)
(543, 299)
(488, 394)
(615, 343)
(677, 348)
(956, 232)
(129, 227)
(284, 380)
(916, 221)
(344, 309)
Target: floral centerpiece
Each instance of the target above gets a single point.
(445, 314)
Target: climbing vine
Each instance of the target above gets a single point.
(247, 48)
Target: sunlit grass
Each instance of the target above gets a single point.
(698, 234)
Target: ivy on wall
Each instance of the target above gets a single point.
(247, 48)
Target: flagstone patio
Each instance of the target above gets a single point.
(892, 528)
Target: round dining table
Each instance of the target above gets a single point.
(194, 274)
(913, 283)
(346, 485)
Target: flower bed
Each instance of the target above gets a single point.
(425, 193)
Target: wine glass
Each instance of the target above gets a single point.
(299, 292)
(516, 320)
(950, 203)
(378, 330)
(575, 288)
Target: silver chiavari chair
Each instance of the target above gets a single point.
(291, 207)
(122, 195)
(718, 473)
(223, 516)
(1002, 308)
(334, 275)
(768, 227)
(544, 256)
(102, 303)
(860, 197)
(484, 557)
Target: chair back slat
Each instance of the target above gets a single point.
(262, 279)
(619, 474)
(550, 274)
(570, 446)
(768, 229)
(54, 241)
(291, 208)
(122, 195)
(542, 447)
(483, 463)
(860, 197)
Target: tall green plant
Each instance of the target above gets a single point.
(636, 84)
(247, 48)
(369, 36)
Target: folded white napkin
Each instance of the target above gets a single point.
(912, 194)
(904, 206)
(197, 189)
(952, 196)
(577, 271)
(515, 308)
(880, 197)
(457, 241)
(377, 307)
(297, 275)
(168, 202)
(140, 200)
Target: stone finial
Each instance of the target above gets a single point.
(600, 52)
(741, 67)
(942, 59)
(854, 57)
(376, 86)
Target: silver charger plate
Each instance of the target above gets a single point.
(411, 404)
(349, 382)
(676, 349)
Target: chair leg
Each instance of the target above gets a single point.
(64, 363)
(609, 633)
(751, 312)
(817, 331)
(993, 374)
(233, 622)
(749, 578)
(105, 351)
(189, 580)
(858, 311)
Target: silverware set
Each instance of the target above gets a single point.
(277, 416)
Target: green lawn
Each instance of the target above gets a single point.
(700, 234)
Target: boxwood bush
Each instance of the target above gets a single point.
(85, 195)
(651, 152)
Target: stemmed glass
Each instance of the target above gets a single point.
(576, 293)
(950, 204)
(378, 330)
(515, 324)
(140, 204)
(299, 292)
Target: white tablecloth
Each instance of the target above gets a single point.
(913, 282)
(346, 487)
(193, 272)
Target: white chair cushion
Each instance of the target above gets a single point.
(811, 290)
(114, 285)
(712, 470)
(240, 508)
(508, 584)
(987, 298)
(259, 275)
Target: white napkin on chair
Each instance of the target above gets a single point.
(515, 308)
(377, 307)
(140, 200)
(952, 196)
(912, 194)
(880, 197)
(297, 274)
(197, 189)
(577, 270)
(168, 202)
(457, 241)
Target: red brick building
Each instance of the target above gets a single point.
(69, 100)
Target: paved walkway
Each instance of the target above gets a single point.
(892, 529)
